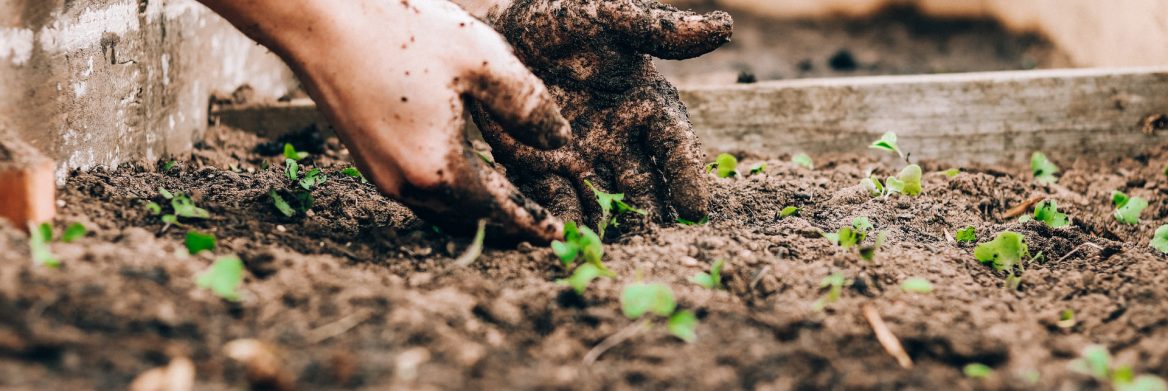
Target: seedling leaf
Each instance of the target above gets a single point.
(582, 277)
(1047, 212)
(579, 241)
(887, 142)
(73, 232)
(184, 207)
(1128, 209)
(640, 298)
(952, 172)
(711, 280)
(198, 241)
(803, 160)
(1160, 239)
(727, 165)
(758, 168)
(835, 285)
(1004, 252)
(1066, 319)
(873, 186)
(682, 324)
(703, 221)
(39, 238)
(476, 246)
(165, 193)
(868, 253)
(916, 285)
(168, 165)
(967, 234)
(154, 208)
(291, 153)
(355, 173)
(291, 169)
(908, 182)
(1142, 383)
(612, 206)
(223, 278)
(788, 212)
(1043, 168)
(977, 371)
(281, 204)
(312, 179)
(861, 223)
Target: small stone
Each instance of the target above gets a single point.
(280, 227)
(60, 203)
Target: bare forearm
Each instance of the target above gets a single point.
(280, 25)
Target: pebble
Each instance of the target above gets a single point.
(310, 213)
(60, 203)
(689, 261)
(281, 228)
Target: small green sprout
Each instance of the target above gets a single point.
(726, 164)
(154, 208)
(291, 153)
(977, 371)
(834, 284)
(861, 223)
(868, 253)
(952, 172)
(966, 235)
(640, 298)
(354, 173)
(185, 207)
(312, 179)
(165, 193)
(682, 324)
(582, 277)
(1047, 212)
(916, 285)
(873, 186)
(223, 278)
(281, 204)
(198, 241)
(1160, 239)
(887, 142)
(1128, 209)
(73, 232)
(1007, 250)
(788, 212)
(1043, 169)
(39, 238)
(908, 182)
(758, 168)
(475, 249)
(711, 280)
(291, 169)
(848, 237)
(579, 242)
(612, 206)
(1067, 319)
(703, 221)
(803, 160)
(1095, 361)
(168, 166)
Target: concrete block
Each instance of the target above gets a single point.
(27, 185)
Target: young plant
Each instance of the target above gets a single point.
(916, 285)
(1047, 212)
(1127, 209)
(291, 153)
(639, 299)
(725, 164)
(977, 370)
(908, 182)
(198, 241)
(1095, 361)
(758, 168)
(353, 172)
(301, 199)
(579, 242)
(475, 249)
(788, 212)
(703, 221)
(868, 253)
(181, 206)
(39, 238)
(887, 142)
(582, 277)
(1006, 252)
(803, 160)
(966, 235)
(1067, 319)
(952, 172)
(73, 232)
(1160, 239)
(612, 206)
(873, 185)
(848, 237)
(834, 284)
(711, 280)
(223, 278)
(1043, 169)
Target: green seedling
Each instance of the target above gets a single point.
(803, 160)
(291, 169)
(952, 172)
(703, 221)
(834, 284)
(291, 153)
(181, 206)
(1128, 209)
(154, 208)
(887, 142)
(281, 204)
(868, 253)
(165, 193)
(908, 182)
(640, 299)
(711, 280)
(223, 278)
(1043, 169)
(312, 179)
(758, 168)
(873, 185)
(916, 285)
(1160, 239)
(354, 173)
(580, 242)
(1047, 212)
(168, 166)
(725, 164)
(788, 212)
(612, 206)
(848, 237)
(683, 324)
(1067, 319)
(198, 241)
(73, 232)
(966, 235)
(39, 238)
(1006, 251)
(476, 246)
(977, 371)
(1095, 361)
(582, 277)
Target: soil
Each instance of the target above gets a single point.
(361, 294)
(896, 41)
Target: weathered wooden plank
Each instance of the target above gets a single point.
(984, 117)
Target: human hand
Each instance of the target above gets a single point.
(631, 131)
(392, 76)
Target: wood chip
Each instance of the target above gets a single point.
(1022, 208)
(889, 341)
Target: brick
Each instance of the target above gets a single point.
(27, 185)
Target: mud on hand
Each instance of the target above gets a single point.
(631, 132)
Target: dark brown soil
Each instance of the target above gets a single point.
(124, 300)
(897, 41)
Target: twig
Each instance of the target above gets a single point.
(949, 237)
(625, 334)
(1023, 207)
(338, 327)
(476, 247)
(889, 341)
(1076, 250)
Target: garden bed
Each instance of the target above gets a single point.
(361, 294)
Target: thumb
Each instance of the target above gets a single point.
(665, 32)
(520, 102)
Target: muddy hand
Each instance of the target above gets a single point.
(631, 132)
(392, 76)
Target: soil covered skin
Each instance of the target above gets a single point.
(897, 41)
(361, 294)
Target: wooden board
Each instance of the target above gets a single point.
(984, 117)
